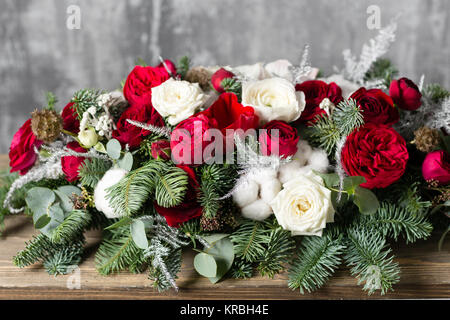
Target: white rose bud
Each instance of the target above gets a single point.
(273, 99)
(304, 205)
(88, 137)
(177, 100)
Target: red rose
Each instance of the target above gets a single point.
(230, 114)
(405, 94)
(70, 120)
(21, 153)
(376, 152)
(218, 77)
(191, 135)
(161, 150)
(129, 134)
(189, 209)
(377, 106)
(71, 164)
(436, 166)
(287, 139)
(141, 80)
(315, 91)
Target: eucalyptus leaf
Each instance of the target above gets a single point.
(350, 183)
(138, 234)
(40, 199)
(42, 221)
(213, 238)
(64, 194)
(329, 179)
(113, 149)
(223, 253)
(366, 200)
(126, 162)
(205, 265)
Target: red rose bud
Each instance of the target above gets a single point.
(22, 155)
(285, 140)
(376, 152)
(70, 120)
(436, 166)
(406, 94)
(161, 150)
(218, 77)
(377, 106)
(71, 164)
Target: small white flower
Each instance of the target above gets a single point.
(273, 99)
(304, 205)
(111, 177)
(88, 137)
(327, 105)
(177, 100)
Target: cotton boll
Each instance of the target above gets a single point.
(258, 210)
(303, 153)
(269, 190)
(111, 177)
(246, 193)
(262, 175)
(319, 160)
(288, 170)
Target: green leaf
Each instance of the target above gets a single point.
(205, 265)
(330, 179)
(139, 235)
(57, 217)
(122, 222)
(64, 193)
(40, 199)
(126, 162)
(42, 221)
(223, 253)
(213, 238)
(113, 148)
(350, 183)
(366, 200)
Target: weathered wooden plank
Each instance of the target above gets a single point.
(425, 274)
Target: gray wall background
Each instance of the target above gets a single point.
(38, 53)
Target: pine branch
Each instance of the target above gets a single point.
(92, 170)
(35, 250)
(241, 269)
(171, 187)
(381, 69)
(85, 99)
(393, 221)
(347, 116)
(279, 251)
(324, 134)
(316, 262)
(72, 227)
(118, 253)
(232, 85)
(248, 240)
(183, 66)
(209, 199)
(370, 259)
(61, 261)
(435, 93)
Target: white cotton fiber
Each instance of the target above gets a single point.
(258, 210)
(269, 190)
(263, 175)
(303, 153)
(287, 171)
(246, 193)
(110, 178)
(319, 160)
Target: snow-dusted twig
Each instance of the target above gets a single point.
(304, 68)
(339, 169)
(163, 131)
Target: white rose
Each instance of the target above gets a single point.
(273, 99)
(110, 178)
(177, 100)
(304, 205)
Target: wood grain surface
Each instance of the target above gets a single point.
(425, 274)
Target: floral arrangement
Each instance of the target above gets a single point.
(258, 168)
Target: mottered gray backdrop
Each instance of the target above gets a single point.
(40, 50)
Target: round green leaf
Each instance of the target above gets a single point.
(42, 221)
(113, 149)
(205, 265)
(350, 183)
(366, 200)
(126, 162)
(138, 234)
(223, 253)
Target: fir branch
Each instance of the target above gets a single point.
(347, 116)
(435, 93)
(183, 66)
(165, 266)
(381, 69)
(92, 170)
(280, 247)
(241, 269)
(232, 85)
(171, 187)
(61, 261)
(369, 257)
(35, 250)
(318, 259)
(324, 134)
(209, 199)
(71, 228)
(85, 99)
(118, 252)
(392, 221)
(248, 240)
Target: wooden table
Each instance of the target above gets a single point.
(425, 274)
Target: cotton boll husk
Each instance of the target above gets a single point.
(246, 192)
(318, 160)
(269, 190)
(111, 177)
(258, 210)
